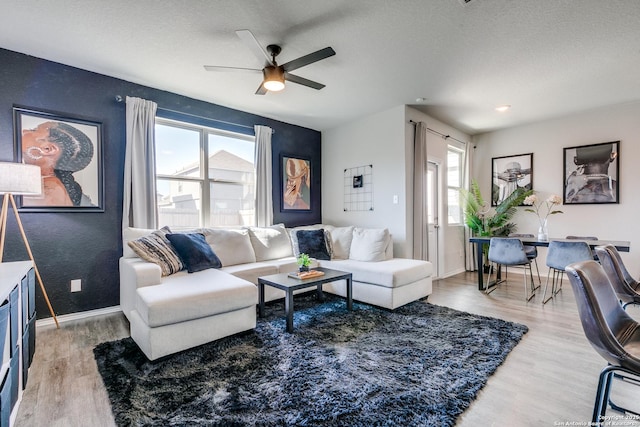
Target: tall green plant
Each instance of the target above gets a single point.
(482, 221)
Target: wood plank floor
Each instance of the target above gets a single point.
(549, 379)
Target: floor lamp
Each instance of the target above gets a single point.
(19, 179)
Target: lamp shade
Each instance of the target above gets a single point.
(273, 78)
(17, 178)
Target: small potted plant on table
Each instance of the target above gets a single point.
(304, 261)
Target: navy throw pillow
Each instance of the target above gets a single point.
(312, 243)
(194, 251)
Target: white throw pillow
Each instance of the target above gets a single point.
(369, 244)
(270, 242)
(232, 246)
(341, 238)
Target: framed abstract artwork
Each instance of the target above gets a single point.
(591, 174)
(509, 173)
(69, 152)
(295, 183)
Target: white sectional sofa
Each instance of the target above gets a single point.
(174, 312)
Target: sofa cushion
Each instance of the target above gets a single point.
(389, 273)
(180, 298)
(369, 244)
(251, 272)
(156, 248)
(194, 251)
(314, 243)
(270, 242)
(232, 246)
(341, 238)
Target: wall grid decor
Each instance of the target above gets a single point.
(358, 188)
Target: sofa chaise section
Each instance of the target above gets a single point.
(182, 313)
(390, 283)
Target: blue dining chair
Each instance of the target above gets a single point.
(532, 253)
(509, 251)
(560, 255)
(595, 256)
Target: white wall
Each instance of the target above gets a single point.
(546, 140)
(376, 140)
(385, 140)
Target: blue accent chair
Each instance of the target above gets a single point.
(509, 251)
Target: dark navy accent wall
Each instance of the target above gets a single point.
(87, 245)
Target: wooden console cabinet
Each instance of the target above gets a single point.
(17, 334)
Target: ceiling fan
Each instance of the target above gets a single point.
(274, 74)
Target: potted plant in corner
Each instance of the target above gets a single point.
(483, 221)
(304, 261)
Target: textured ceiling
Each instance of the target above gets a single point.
(547, 58)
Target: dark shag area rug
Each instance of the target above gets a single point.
(420, 365)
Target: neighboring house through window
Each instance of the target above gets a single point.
(205, 177)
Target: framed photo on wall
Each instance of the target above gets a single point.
(295, 183)
(509, 173)
(591, 174)
(69, 152)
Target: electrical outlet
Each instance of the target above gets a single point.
(76, 285)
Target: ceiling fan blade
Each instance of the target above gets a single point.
(261, 90)
(302, 81)
(219, 68)
(309, 59)
(249, 39)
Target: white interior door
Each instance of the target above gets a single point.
(433, 208)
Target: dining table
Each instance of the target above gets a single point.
(479, 241)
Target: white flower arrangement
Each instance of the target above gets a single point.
(543, 208)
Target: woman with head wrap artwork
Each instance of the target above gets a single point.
(60, 150)
(297, 184)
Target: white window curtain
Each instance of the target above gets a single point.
(420, 219)
(264, 177)
(469, 252)
(139, 207)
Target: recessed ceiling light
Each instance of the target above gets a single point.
(421, 99)
(503, 108)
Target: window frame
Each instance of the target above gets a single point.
(204, 180)
(460, 152)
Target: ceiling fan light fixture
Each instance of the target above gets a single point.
(273, 78)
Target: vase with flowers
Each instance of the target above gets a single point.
(543, 209)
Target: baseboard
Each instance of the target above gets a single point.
(48, 321)
(453, 273)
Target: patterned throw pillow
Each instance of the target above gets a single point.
(157, 249)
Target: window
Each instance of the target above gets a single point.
(454, 183)
(205, 177)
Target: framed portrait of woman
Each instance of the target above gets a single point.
(68, 151)
(296, 183)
